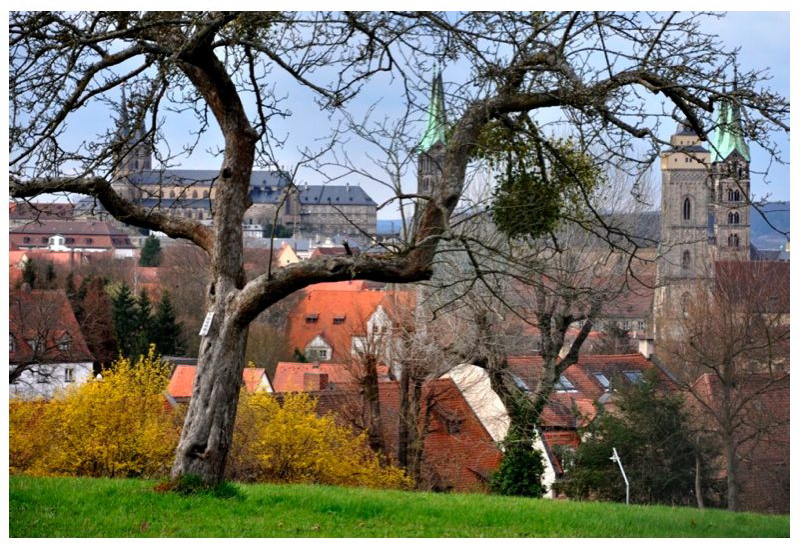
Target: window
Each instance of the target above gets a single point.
(317, 354)
(26, 239)
(64, 343)
(563, 384)
(44, 240)
(69, 374)
(194, 194)
(205, 193)
(88, 241)
(733, 218)
(521, 385)
(172, 194)
(687, 209)
(633, 376)
(733, 240)
(685, 304)
(312, 318)
(602, 380)
(453, 425)
(36, 344)
(641, 324)
(686, 261)
(338, 319)
(200, 215)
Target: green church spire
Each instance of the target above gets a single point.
(728, 135)
(437, 121)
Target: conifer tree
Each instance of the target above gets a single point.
(151, 252)
(125, 320)
(29, 273)
(167, 334)
(145, 329)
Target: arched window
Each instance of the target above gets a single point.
(733, 218)
(205, 193)
(194, 194)
(733, 240)
(172, 194)
(686, 261)
(687, 209)
(736, 196)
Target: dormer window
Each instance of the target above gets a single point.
(36, 344)
(312, 318)
(338, 319)
(64, 343)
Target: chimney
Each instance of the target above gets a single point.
(646, 347)
(315, 381)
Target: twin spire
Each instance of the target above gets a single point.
(436, 128)
(728, 135)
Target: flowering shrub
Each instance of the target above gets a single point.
(289, 443)
(114, 427)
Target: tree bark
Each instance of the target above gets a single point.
(372, 404)
(698, 489)
(731, 471)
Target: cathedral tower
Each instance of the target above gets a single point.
(730, 168)
(134, 155)
(705, 212)
(431, 146)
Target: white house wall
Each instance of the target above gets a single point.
(28, 385)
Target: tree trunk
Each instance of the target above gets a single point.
(698, 490)
(731, 471)
(372, 404)
(404, 424)
(208, 428)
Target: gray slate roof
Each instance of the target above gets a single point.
(204, 177)
(335, 195)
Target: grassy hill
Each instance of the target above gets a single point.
(80, 507)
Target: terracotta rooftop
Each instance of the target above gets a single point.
(182, 380)
(48, 316)
(458, 453)
(291, 376)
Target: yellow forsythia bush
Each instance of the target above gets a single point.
(289, 443)
(114, 427)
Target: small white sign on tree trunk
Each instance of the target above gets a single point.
(207, 324)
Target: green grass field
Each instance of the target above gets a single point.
(81, 507)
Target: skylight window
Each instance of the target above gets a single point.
(602, 380)
(563, 384)
(634, 376)
(522, 386)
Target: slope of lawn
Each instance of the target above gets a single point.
(81, 507)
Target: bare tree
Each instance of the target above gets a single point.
(590, 67)
(731, 354)
(43, 333)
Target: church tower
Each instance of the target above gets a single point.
(134, 155)
(730, 168)
(685, 255)
(431, 146)
(705, 212)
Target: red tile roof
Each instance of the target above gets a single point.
(182, 380)
(762, 434)
(290, 376)
(459, 453)
(47, 315)
(559, 411)
(349, 303)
